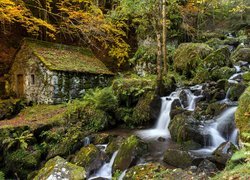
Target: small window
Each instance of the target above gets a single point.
(32, 79)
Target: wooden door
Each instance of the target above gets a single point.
(20, 85)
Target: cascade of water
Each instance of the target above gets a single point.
(86, 141)
(122, 175)
(105, 172)
(220, 124)
(164, 118)
(234, 137)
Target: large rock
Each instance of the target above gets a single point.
(89, 157)
(207, 167)
(222, 73)
(242, 54)
(59, 168)
(242, 115)
(188, 56)
(129, 152)
(155, 171)
(185, 128)
(236, 91)
(224, 152)
(219, 58)
(178, 158)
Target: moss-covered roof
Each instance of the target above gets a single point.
(58, 57)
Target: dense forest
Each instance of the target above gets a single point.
(124, 89)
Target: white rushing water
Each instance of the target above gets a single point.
(105, 171)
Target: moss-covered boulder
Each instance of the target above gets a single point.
(246, 77)
(22, 162)
(222, 73)
(130, 88)
(236, 91)
(10, 107)
(185, 128)
(89, 157)
(129, 152)
(188, 56)
(113, 146)
(232, 41)
(218, 58)
(242, 115)
(68, 143)
(59, 168)
(141, 114)
(215, 43)
(155, 171)
(224, 152)
(242, 54)
(178, 158)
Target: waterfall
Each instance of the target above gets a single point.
(164, 118)
(105, 172)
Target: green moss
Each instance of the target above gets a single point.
(177, 158)
(241, 171)
(155, 171)
(215, 43)
(219, 58)
(55, 166)
(128, 89)
(241, 54)
(189, 56)
(131, 148)
(86, 156)
(242, 115)
(141, 113)
(222, 73)
(246, 76)
(60, 57)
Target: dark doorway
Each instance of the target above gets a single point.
(20, 85)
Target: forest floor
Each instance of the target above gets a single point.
(35, 116)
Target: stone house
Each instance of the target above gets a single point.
(50, 73)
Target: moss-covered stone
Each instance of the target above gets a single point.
(224, 152)
(178, 158)
(215, 43)
(218, 58)
(155, 171)
(129, 89)
(242, 115)
(131, 149)
(188, 56)
(222, 73)
(67, 143)
(246, 76)
(59, 168)
(242, 54)
(113, 146)
(185, 128)
(236, 91)
(22, 162)
(89, 157)
(141, 114)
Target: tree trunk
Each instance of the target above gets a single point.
(159, 64)
(164, 37)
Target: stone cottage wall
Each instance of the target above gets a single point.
(69, 85)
